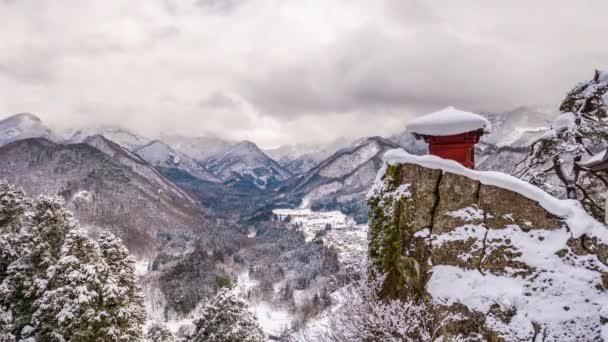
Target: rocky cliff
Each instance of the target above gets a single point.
(494, 258)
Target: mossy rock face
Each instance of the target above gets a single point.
(510, 208)
(455, 193)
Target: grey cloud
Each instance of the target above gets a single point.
(289, 71)
(218, 100)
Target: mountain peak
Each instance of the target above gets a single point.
(23, 117)
(22, 126)
(246, 146)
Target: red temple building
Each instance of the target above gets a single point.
(451, 134)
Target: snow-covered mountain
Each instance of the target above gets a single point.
(245, 165)
(121, 136)
(518, 127)
(301, 158)
(102, 191)
(23, 126)
(341, 181)
(162, 155)
(135, 163)
(201, 149)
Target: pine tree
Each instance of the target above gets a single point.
(122, 295)
(40, 241)
(578, 133)
(13, 205)
(58, 285)
(226, 319)
(158, 332)
(71, 306)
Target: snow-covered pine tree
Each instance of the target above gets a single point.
(577, 134)
(158, 332)
(40, 240)
(122, 296)
(13, 205)
(71, 306)
(226, 319)
(61, 286)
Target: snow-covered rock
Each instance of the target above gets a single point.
(448, 121)
(491, 251)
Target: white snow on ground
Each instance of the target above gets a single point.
(273, 320)
(141, 267)
(448, 121)
(315, 221)
(348, 237)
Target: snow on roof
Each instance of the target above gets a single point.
(570, 210)
(448, 121)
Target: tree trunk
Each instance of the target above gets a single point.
(567, 181)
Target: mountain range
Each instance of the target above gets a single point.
(144, 187)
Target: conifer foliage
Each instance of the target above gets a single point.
(226, 319)
(57, 284)
(158, 332)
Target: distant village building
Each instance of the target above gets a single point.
(451, 133)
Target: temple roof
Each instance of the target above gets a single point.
(448, 121)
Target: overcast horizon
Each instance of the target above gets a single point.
(282, 72)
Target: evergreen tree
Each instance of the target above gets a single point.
(158, 332)
(57, 284)
(13, 205)
(122, 295)
(579, 133)
(40, 241)
(71, 306)
(226, 319)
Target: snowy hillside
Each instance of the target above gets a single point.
(135, 163)
(103, 192)
(160, 154)
(341, 181)
(23, 126)
(519, 127)
(245, 164)
(121, 136)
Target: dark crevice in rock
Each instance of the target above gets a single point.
(433, 213)
(485, 225)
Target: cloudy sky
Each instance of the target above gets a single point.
(289, 71)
